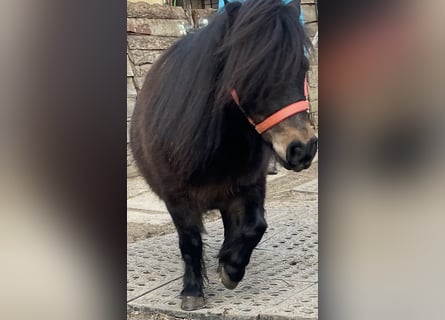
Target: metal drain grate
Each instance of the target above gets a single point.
(280, 281)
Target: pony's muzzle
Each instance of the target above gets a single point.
(299, 155)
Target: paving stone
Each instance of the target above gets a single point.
(280, 282)
(147, 201)
(281, 173)
(150, 217)
(311, 186)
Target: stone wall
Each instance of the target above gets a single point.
(148, 1)
(311, 23)
(152, 28)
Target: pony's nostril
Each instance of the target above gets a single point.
(301, 154)
(295, 152)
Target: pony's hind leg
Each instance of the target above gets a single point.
(244, 226)
(189, 228)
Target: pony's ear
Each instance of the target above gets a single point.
(231, 10)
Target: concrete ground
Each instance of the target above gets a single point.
(281, 281)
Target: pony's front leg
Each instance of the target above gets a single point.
(190, 244)
(244, 226)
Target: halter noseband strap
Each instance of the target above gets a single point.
(278, 116)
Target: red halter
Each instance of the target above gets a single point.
(278, 116)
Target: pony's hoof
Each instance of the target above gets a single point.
(225, 279)
(190, 303)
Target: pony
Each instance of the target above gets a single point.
(195, 133)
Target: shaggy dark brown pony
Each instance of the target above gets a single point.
(194, 144)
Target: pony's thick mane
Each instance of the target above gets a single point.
(254, 47)
(263, 50)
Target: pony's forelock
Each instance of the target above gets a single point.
(264, 49)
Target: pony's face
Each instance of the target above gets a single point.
(263, 59)
(294, 142)
(293, 139)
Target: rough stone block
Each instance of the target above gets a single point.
(141, 70)
(128, 131)
(162, 2)
(314, 57)
(310, 13)
(311, 29)
(139, 81)
(144, 42)
(145, 56)
(314, 106)
(313, 93)
(313, 76)
(131, 90)
(314, 119)
(132, 170)
(129, 68)
(130, 107)
(158, 27)
(154, 11)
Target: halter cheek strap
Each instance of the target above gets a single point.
(278, 116)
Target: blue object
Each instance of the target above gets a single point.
(221, 5)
